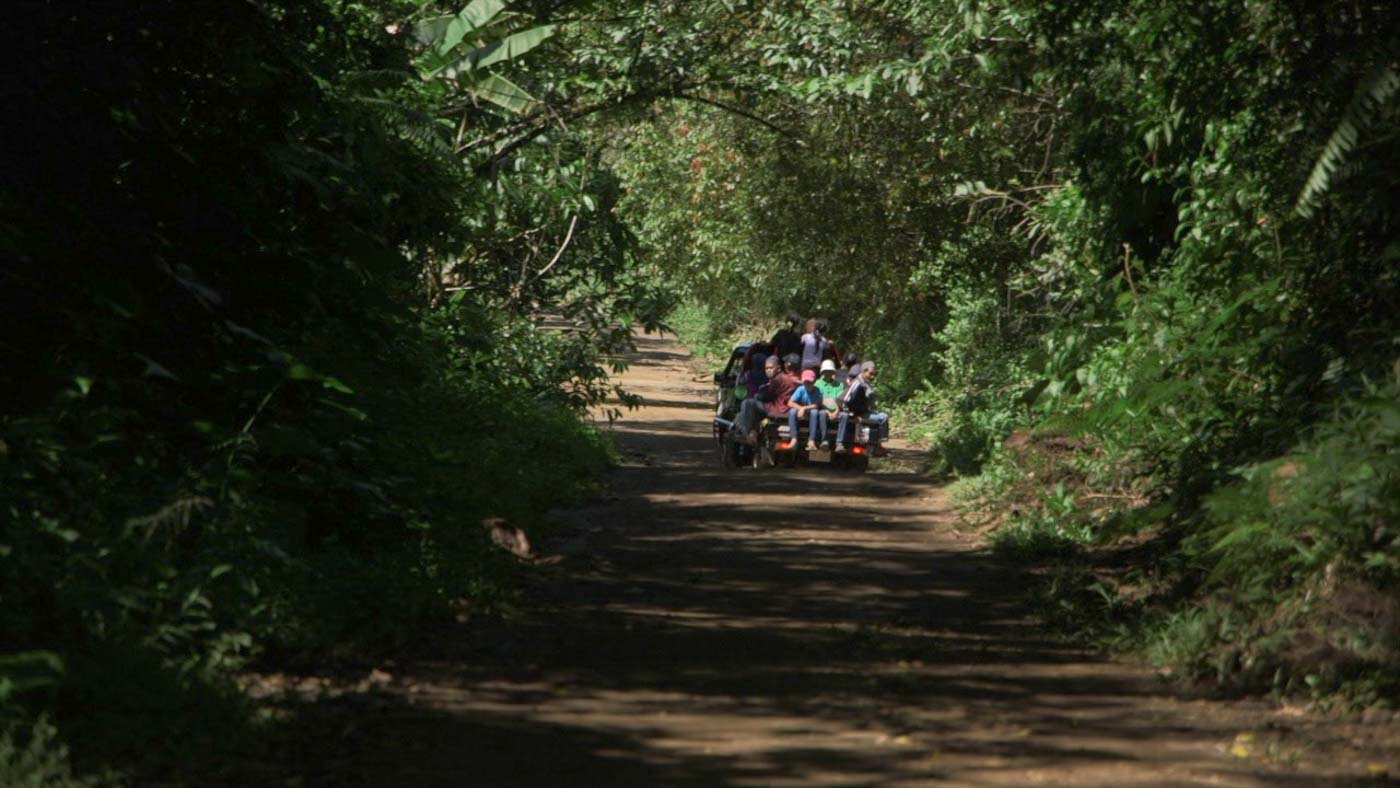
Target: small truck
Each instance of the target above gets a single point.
(730, 390)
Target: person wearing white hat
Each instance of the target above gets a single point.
(831, 389)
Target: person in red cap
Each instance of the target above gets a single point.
(806, 402)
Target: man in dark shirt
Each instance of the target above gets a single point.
(850, 369)
(788, 339)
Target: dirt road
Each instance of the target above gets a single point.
(721, 627)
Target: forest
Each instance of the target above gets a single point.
(283, 282)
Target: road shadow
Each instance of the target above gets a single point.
(709, 626)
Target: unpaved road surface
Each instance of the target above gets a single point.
(703, 626)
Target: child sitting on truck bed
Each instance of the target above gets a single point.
(831, 389)
(807, 403)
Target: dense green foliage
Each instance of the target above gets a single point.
(295, 293)
(231, 423)
(1155, 243)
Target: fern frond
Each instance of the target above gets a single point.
(419, 128)
(1375, 90)
(376, 79)
(176, 514)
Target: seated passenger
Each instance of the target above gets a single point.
(770, 400)
(792, 365)
(850, 369)
(754, 379)
(734, 401)
(831, 390)
(807, 402)
(859, 400)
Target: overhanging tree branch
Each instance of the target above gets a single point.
(743, 114)
(550, 118)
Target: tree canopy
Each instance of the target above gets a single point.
(296, 293)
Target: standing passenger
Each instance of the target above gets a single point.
(829, 350)
(788, 339)
(815, 345)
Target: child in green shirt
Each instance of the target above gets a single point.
(831, 389)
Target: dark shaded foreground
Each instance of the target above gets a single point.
(809, 627)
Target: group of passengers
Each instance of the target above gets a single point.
(800, 381)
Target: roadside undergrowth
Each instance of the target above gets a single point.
(711, 336)
(1283, 581)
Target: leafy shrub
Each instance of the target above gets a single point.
(31, 753)
(37, 759)
(1333, 504)
(1040, 535)
(975, 401)
(711, 333)
(244, 438)
(1287, 581)
(1308, 546)
(1052, 529)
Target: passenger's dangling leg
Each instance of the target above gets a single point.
(749, 413)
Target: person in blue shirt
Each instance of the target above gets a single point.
(807, 402)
